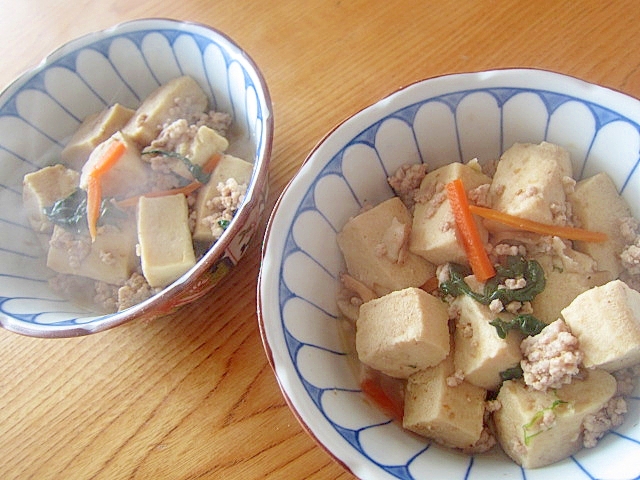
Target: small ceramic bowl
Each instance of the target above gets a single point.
(437, 121)
(40, 110)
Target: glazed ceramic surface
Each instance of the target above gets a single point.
(40, 110)
(436, 121)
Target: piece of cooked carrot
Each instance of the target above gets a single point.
(431, 284)
(133, 201)
(479, 261)
(376, 393)
(94, 201)
(570, 233)
(212, 163)
(109, 158)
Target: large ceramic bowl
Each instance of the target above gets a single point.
(437, 121)
(123, 64)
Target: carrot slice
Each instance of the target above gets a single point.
(212, 163)
(478, 258)
(431, 284)
(374, 391)
(114, 151)
(570, 233)
(133, 201)
(94, 201)
(110, 157)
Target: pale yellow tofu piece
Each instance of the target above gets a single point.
(606, 321)
(598, 207)
(110, 259)
(44, 187)
(402, 332)
(165, 245)
(128, 177)
(374, 248)
(433, 232)
(228, 167)
(94, 130)
(480, 354)
(530, 182)
(206, 143)
(449, 415)
(539, 428)
(181, 97)
(562, 287)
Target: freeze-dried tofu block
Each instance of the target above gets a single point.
(606, 320)
(166, 248)
(375, 249)
(434, 408)
(403, 332)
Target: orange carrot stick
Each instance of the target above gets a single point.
(109, 158)
(479, 261)
(212, 163)
(375, 392)
(133, 201)
(570, 233)
(94, 201)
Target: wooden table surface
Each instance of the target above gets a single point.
(192, 395)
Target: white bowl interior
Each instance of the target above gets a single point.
(43, 107)
(437, 121)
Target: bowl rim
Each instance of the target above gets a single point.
(350, 459)
(253, 198)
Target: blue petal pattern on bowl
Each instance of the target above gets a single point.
(122, 64)
(314, 371)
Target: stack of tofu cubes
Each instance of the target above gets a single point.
(159, 239)
(448, 354)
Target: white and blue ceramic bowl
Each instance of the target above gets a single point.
(437, 121)
(123, 64)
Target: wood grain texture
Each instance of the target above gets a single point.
(191, 396)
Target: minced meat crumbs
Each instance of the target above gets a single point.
(551, 358)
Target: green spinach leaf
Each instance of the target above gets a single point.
(511, 373)
(526, 323)
(71, 212)
(516, 267)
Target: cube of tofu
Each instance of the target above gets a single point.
(480, 354)
(94, 130)
(402, 332)
(433, 233)
(598, 206)
(127, 177)
(110, 259)
(228, 167)
(374, 246)
(530, 183)
(44, 187)
(206, 143)
(539, 428)
(165, 245)
(606, 321)
(182, 97)
(562, 286)
(449, 415)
